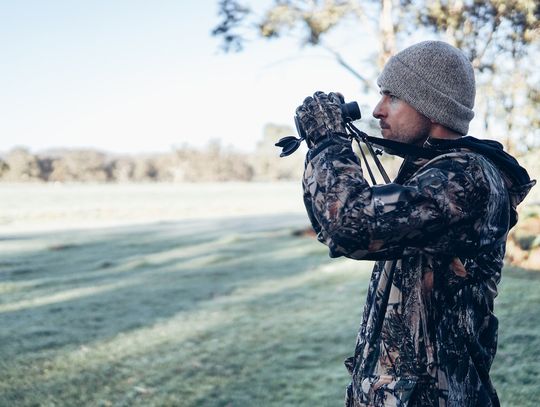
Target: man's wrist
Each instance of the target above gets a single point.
(335, 139)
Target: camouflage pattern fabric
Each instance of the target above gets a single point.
(428, 334)
(320, 117)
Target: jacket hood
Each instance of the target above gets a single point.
(516, 177)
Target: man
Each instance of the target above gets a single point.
(428, 334)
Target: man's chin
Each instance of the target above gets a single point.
(386, 134)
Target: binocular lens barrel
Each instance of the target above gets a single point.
(350, 112)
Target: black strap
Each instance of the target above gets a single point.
(404, 148)
(490, 149)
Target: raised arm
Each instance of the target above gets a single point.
(438, 209)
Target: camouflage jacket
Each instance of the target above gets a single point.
(428, 334)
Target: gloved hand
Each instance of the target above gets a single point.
(320, 117)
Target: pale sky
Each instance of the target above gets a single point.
(139, 76)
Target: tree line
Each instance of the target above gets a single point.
(215, 163)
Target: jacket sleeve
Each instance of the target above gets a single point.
(437, 210)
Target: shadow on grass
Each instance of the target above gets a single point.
(84, 286)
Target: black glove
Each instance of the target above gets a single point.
(320, 117)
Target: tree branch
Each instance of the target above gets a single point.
(368, 85)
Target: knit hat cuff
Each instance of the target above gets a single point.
(401, 81)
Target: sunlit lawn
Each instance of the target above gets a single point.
(237, 311)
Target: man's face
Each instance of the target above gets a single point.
(399, 121)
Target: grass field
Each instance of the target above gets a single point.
(195, 296)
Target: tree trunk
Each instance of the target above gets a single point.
(387, 32)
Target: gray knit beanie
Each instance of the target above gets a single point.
(436, 79)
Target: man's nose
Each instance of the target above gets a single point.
(378, 112)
